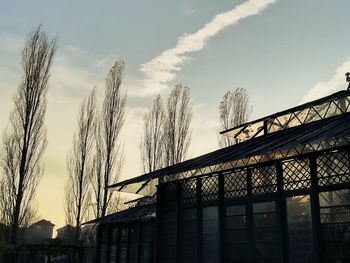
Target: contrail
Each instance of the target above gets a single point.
(336, 82)
(163, 69)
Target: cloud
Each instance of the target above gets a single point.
(189, 11)
(75, 73)
(323, 88)
(163, 69)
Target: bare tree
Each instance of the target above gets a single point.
(97, 171)
(79, 163)
(152, 141)
(234, 110)
(25, 140)
(112, 119)
(177, 132)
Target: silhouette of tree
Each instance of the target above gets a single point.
(112, 120)
(24, 141)
(234, 110)
(97, 171)
(79, 163)
(177, 123)
(152, 141)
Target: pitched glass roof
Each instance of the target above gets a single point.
(314, 126)
(326, 107)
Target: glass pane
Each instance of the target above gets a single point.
(188, 235)
(146, 252)
(333, 168)
(264, 180)
(113, 256)
(188, 192)
(265, 232)
(133, 251)
(123, 244)
(210, 188)
(168, 237)
(211, 235)
(296, 174)
(299, 229)
(235, 184)
(103, 256)
(235, 234)
(335, 224)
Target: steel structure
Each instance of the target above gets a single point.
(280, 195)
(128, 235)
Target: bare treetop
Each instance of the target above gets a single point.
(177, 132)
(79, 163)
(25, 140)
(152, 143)
(234, 110)
(112, 120)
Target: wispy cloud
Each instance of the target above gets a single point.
(163, 69)
(75, 73)
(336, 82)
(189, 11)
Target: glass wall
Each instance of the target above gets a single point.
(236, 247)
(279, 211)
(167, 246)
(265, 232)
(127, 242)
(299, 229)
(146, 242)
(114, 244)
(211, 241)
(188, 235)
(104, 243)
(335, 225)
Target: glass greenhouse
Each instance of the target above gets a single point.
(280, 195)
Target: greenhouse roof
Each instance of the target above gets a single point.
(328, 128)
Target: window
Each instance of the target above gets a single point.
(333, 168)
(335, 225)
(265, 232)
(236, 234)
(134, 243)
(188, 235)
(114, 243)
(210, 189)
(104, 243)
(299, 229)
(264, 180)
(146, 245)
(235, 184)
(168, 237)
(123, 249)
(188, 192)
(211, 252)
(296, 175)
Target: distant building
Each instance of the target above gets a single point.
(66, 233)
(39, 232)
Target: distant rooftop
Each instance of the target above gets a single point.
(43, 222)
(65, 227)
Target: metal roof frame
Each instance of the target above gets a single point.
(330, 131)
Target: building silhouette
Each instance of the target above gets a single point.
(39, 232)
(282, 194)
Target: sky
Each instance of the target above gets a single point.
(284, 52)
